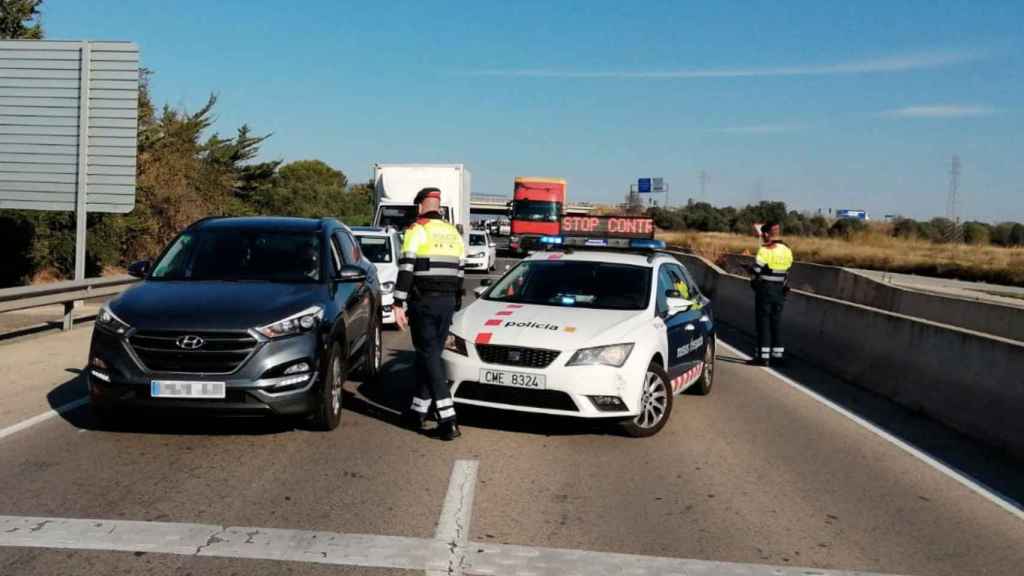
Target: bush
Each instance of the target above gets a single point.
(977, 233)
(846, 227)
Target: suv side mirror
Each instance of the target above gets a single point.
(479, 291)
(677, 305)
(139, 269)
(350, 273)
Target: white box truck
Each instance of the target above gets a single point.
(396, 185)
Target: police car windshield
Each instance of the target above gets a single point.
(242, 255)
(575, 284)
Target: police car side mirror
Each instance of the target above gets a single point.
(479, 291)
(677, 305)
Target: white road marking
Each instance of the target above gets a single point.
(30, 422)
(364, 550)
(456, 514)
(223, 542)
(1005, 502)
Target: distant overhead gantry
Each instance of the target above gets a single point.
(498, 205)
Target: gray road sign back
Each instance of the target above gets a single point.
(68, 125)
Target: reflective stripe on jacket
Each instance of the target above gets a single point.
(773, 262)
(432, 259)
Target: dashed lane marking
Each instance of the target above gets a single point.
(1001, 500)
(40, 418)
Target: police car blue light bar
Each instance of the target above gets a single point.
(551, 240)
(644, 244)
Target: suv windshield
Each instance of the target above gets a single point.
(536, 210)
(242, 255)
(575, 284)
(376, 248)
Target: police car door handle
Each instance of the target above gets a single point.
(690, 328)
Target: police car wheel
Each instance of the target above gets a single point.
(328, 410)
(655, 404)
(707, 375)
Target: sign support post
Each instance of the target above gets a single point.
(81, 219)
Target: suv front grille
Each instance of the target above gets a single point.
(220, 352)
(516, 356)
(550, 399)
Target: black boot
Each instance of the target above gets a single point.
(414, 421)
(448, 431)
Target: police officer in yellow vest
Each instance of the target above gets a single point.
(430, 276)
(771, 270)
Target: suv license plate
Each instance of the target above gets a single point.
(514, 379)
(179, 389)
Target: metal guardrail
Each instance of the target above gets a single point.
(66, 293)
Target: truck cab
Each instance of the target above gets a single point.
(535, 211)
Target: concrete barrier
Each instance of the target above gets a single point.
(969, 381)
(835, 282)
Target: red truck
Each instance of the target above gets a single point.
(536, 211)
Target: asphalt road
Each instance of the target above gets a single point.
(758, 473)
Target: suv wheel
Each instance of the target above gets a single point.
(655, 404)
(328, 410)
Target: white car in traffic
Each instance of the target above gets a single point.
(382, 246)
(481, 253)
(588, 333)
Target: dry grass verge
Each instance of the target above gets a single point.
(875, 251)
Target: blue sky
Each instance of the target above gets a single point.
(825, 104)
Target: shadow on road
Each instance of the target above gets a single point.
(991, 467)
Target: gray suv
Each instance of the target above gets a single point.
(242, 316)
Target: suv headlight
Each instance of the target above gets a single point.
(387, 287)
(477, 255)
(613, 355)
(455, 344)
(295, 324)
(106, 320)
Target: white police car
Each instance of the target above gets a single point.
(597, 328)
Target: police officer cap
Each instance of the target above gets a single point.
(428, 193)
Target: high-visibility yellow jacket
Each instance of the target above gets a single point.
(432, 260)
(773, 263)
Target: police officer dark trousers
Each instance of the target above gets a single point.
(771, 269)
(430, 278)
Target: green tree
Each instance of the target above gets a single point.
(19, 19)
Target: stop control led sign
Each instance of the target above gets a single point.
(608, 226)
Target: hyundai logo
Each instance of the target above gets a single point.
(514, 355)
(190, 342)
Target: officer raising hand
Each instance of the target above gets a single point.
(771, 273)
(430, 276)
